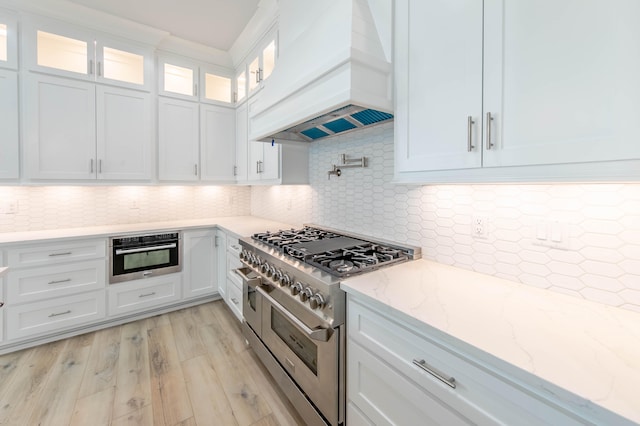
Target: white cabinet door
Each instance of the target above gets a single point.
(178, 140)
(200, 270)
(438, 84)
(242, 144)
(59, 128)
(9, 136)
(178, 77)
(8, 40)
(221, 262)
(561, 81)
(256, 158)
(124, 134)
(217, 143)
(270, 162)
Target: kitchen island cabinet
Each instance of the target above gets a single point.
(482, 350)
(520, 91)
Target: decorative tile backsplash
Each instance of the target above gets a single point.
(597, 256)
(50, 207)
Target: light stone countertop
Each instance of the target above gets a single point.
(241, 226)
(557, 342)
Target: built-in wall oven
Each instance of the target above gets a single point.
(294, 310)
(133, 257)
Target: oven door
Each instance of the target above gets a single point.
(251, 300)
(133, 263)
(308, 352)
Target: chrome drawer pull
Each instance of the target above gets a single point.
(470, 124)
(449, 381)
(60, 313)
(66, 253)
(234, 300)
(147, 294)
(59, 281)
(489, 120)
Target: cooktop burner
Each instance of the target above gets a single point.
(332, 252)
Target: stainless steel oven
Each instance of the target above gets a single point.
(133, 257)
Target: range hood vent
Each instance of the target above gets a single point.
(343, 120)
(309, 96)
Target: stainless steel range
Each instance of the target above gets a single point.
(294, 309)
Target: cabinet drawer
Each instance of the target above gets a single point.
(480, 390)
(54, 314)
(233, 246)
(390, 398)
(142, 294)
(27, 285)
(233, 263)
(234, 299)
(50, 254)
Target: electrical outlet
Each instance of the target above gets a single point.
(479, 227)
(9, 207)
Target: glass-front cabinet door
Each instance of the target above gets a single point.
(241, 86)
(217, 85)
(262, 65)
(8, 41)
(59, 49)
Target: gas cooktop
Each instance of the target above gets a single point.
(338, 254)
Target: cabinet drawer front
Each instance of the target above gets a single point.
(50, 254)
(26, 285)
(390, 398)
(54, 314)
(233, 263)
(480, 390)
(142, 294)
(234, 298)
(233, 246)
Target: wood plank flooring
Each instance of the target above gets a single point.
(188, 367)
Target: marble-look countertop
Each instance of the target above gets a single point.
(588, 349)
(241, 226)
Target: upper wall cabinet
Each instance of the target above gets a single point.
(8, 41)
(485, 88)
(9, 139)
(54, 48)
(182, 78)
(259, 66)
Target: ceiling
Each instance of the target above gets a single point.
(214, 23)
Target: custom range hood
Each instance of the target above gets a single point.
(334, 77)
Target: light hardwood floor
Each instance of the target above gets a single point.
(189, 367)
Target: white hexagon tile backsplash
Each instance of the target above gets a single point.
(580, 239)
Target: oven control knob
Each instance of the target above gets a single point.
(306, 294)
(244, 255)
(296, 288)
(265, 268)
(316, 301)
(277, 276)
(285, 280)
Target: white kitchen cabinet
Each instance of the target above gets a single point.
(221, 261)
(200, 267)
(188, 79)
(178, 140)
(140, 295)
(525, 83)
(196, 141)
(8, 40)
(399, 374)
(55, 48)
(242, 144)
(234, 282)
(217, 143)
(10, 136)
(77, 130)
(261, 64)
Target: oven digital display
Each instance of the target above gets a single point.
(147, 259)
(300, 344)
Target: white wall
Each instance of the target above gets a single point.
(54, 207)
(602, 262)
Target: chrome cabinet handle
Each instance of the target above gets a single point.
(470, 124)
(91, 166)
(257, 75)
(196, 169)
(449, 381)
(99, 166)
(234, 300)
(60, 313)
(141, 249)
(195, 90)
(147, 294)
(90, 67)
(489, 120)
(59, 281)
(257, 167)
(99, 66)
(66, 253)
(235, 170)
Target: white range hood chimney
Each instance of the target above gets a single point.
(335, 77)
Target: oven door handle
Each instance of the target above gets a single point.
(318, 334)
(141, 249)
(251, 282)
